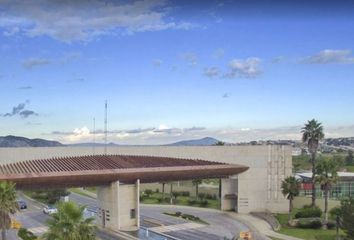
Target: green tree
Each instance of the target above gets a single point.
(24, 234)
(8, 205)
(326, 176)
(347, 217)
(290, 189)
(349, 159)
(312, 134)
(196, 183)
(69, 224)
(219, 143)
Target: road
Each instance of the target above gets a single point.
(220, 225)
(35, 220)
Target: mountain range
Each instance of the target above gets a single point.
(15, 141)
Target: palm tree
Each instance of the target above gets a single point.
(326, 175)
(8, 205)
(290, 189)
(196, 183)
(312, 134)
(69, 224)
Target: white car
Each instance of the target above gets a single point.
(50, 210)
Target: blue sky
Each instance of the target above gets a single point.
(172, 70)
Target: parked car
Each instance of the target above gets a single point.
(50, 209)
(21, 204)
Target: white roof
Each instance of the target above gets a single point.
(309, 174)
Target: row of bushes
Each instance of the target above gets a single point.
(309, 212)
(314, 223)
(201, 202)
(149, 192)
(184, 216)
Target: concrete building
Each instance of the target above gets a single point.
(257, 189)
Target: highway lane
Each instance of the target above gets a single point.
(35, 220)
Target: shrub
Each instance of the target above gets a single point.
(309, 212)
(184, 193)
(334, 212)
(201, 195)
(157, 190)
(203, 203)
(210, 196)
(331, 225)
(175, 194)
(314, 223)
(192, 201)
(190, 217)
(148, 192)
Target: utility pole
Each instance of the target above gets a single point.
(105, 128)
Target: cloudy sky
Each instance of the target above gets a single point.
(172, 70)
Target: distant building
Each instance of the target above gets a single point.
(343, 188)
(296, 152)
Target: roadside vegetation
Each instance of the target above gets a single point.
(186, 216)
(8, 206)
(48, 197)
(69, 224)
(310, 222)
(179, 198)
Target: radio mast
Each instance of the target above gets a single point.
(94, 137)
(105, 128)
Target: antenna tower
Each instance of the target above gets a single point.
(105, 128)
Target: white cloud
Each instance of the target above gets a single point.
(164, 134)
(190, 57)
(328, 56)
(35, 62)
(211, 72)
(84, 20)
(244, 68)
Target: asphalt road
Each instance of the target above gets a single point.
(220, 226)
(35, 220)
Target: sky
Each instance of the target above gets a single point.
(175, 70)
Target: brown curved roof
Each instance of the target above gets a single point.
(103, 169)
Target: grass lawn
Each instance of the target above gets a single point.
(79, 191)
(181, 200)
(350, 168)
(308, 234)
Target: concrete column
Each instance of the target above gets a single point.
(228, 194)
(119, 206)
(138, 203)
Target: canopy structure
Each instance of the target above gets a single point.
(103, 169)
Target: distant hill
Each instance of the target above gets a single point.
(207, 141)
(14, 141)
(91, 144)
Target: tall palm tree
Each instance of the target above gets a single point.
(69, 224)
(290, 189)
(326, 175)
(8, 205)
(312, 134)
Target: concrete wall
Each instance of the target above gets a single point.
(258, 188)
(115, 203)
